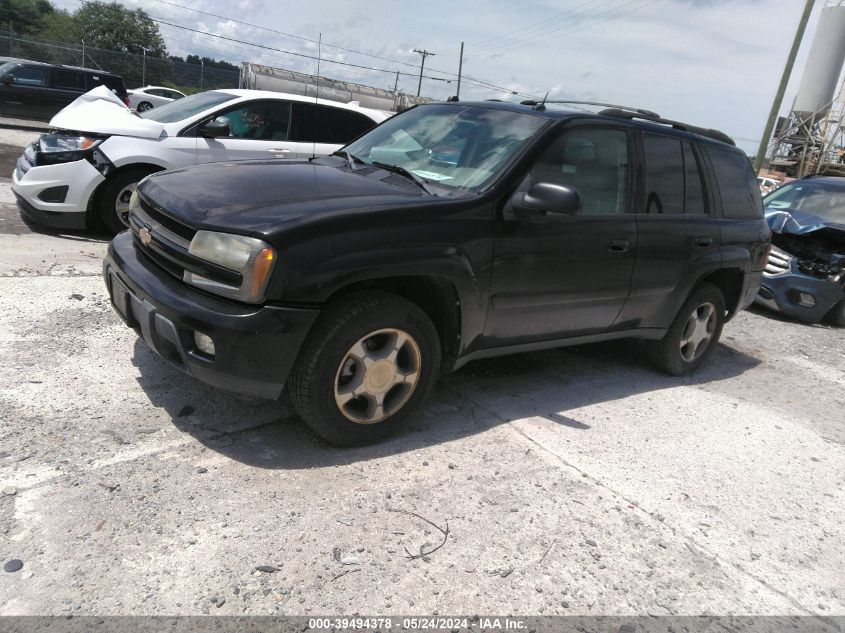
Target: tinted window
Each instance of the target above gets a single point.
(30, 76)
(260, 120)
(593, 161)
(187, 107)
(694, 191)
(738, 187)
(324, 124)
(173, 94)
(115, 84)
(664, 175)
(68, 79)
(158, 92)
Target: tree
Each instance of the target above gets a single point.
(25, 16)
(112, 26)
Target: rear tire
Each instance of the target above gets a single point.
(113, 198)
(367, 367)
(836, 316)
(694, 333)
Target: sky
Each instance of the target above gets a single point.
(711, 63)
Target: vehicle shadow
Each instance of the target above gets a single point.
(477, 398)
(777, 316)
(93, 235)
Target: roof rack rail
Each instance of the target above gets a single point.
(540, 105)
(628, 113)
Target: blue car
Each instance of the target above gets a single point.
(805, 274)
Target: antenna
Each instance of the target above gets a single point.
(316, 97)
(541, 107)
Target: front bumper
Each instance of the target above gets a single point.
(81, 179)
(781, 292)
(255, 346)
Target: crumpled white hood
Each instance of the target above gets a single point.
(100, 111)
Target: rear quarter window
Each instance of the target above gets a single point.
(737, 184)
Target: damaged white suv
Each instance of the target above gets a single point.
(97, 151)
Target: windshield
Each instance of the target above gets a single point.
(825, 200)
(458, 147)
(182, 109)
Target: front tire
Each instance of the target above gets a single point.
(144, 106)
(113, 198)
(366, 368)
(694, 333)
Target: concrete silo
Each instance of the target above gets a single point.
(810, 140)
(824, 65)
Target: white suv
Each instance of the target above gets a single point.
(87, 167)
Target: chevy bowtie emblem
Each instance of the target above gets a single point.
(145, 236)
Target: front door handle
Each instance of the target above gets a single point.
(281, 153)
(618, 246)
(704, 241)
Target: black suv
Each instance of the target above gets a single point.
(450, 232)
(35, 90)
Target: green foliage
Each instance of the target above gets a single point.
(25, 16)
(113, 26)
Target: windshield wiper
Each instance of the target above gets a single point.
(396, 169)
(350, 158)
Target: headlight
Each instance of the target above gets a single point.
(251, 257)
(61, 148)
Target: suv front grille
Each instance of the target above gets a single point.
(778, 262)
(166, 241)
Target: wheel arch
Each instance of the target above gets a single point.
(91, 216)
(729, 281)
(435, 295)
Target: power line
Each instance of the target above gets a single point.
(542, 28)
(472, 80)
(594, 22)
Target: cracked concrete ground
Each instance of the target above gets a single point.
(574, 481)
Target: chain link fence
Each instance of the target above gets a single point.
(136, 70)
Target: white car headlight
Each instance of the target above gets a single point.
(64, 148)
(252, 258)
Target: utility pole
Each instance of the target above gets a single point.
(460, 66)
(784, 80)
(202, 71)
(143, 66)
(424, 54)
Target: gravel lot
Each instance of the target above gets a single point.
(576, 481)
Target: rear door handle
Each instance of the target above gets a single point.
(280, 152)
(704, 241)
(618, 246)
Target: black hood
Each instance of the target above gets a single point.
(263, 196)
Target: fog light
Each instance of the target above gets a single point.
(204, 343)
(806, 300)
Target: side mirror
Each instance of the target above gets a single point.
(544, 198)
(8, 79)
(214, 129)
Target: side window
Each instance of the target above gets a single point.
(324, 124)
(693, 191)
(738, 186)
(68, 80)
(592, 160)
(30, 76)
(266, 121)
(172, 94)
(664, 174)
